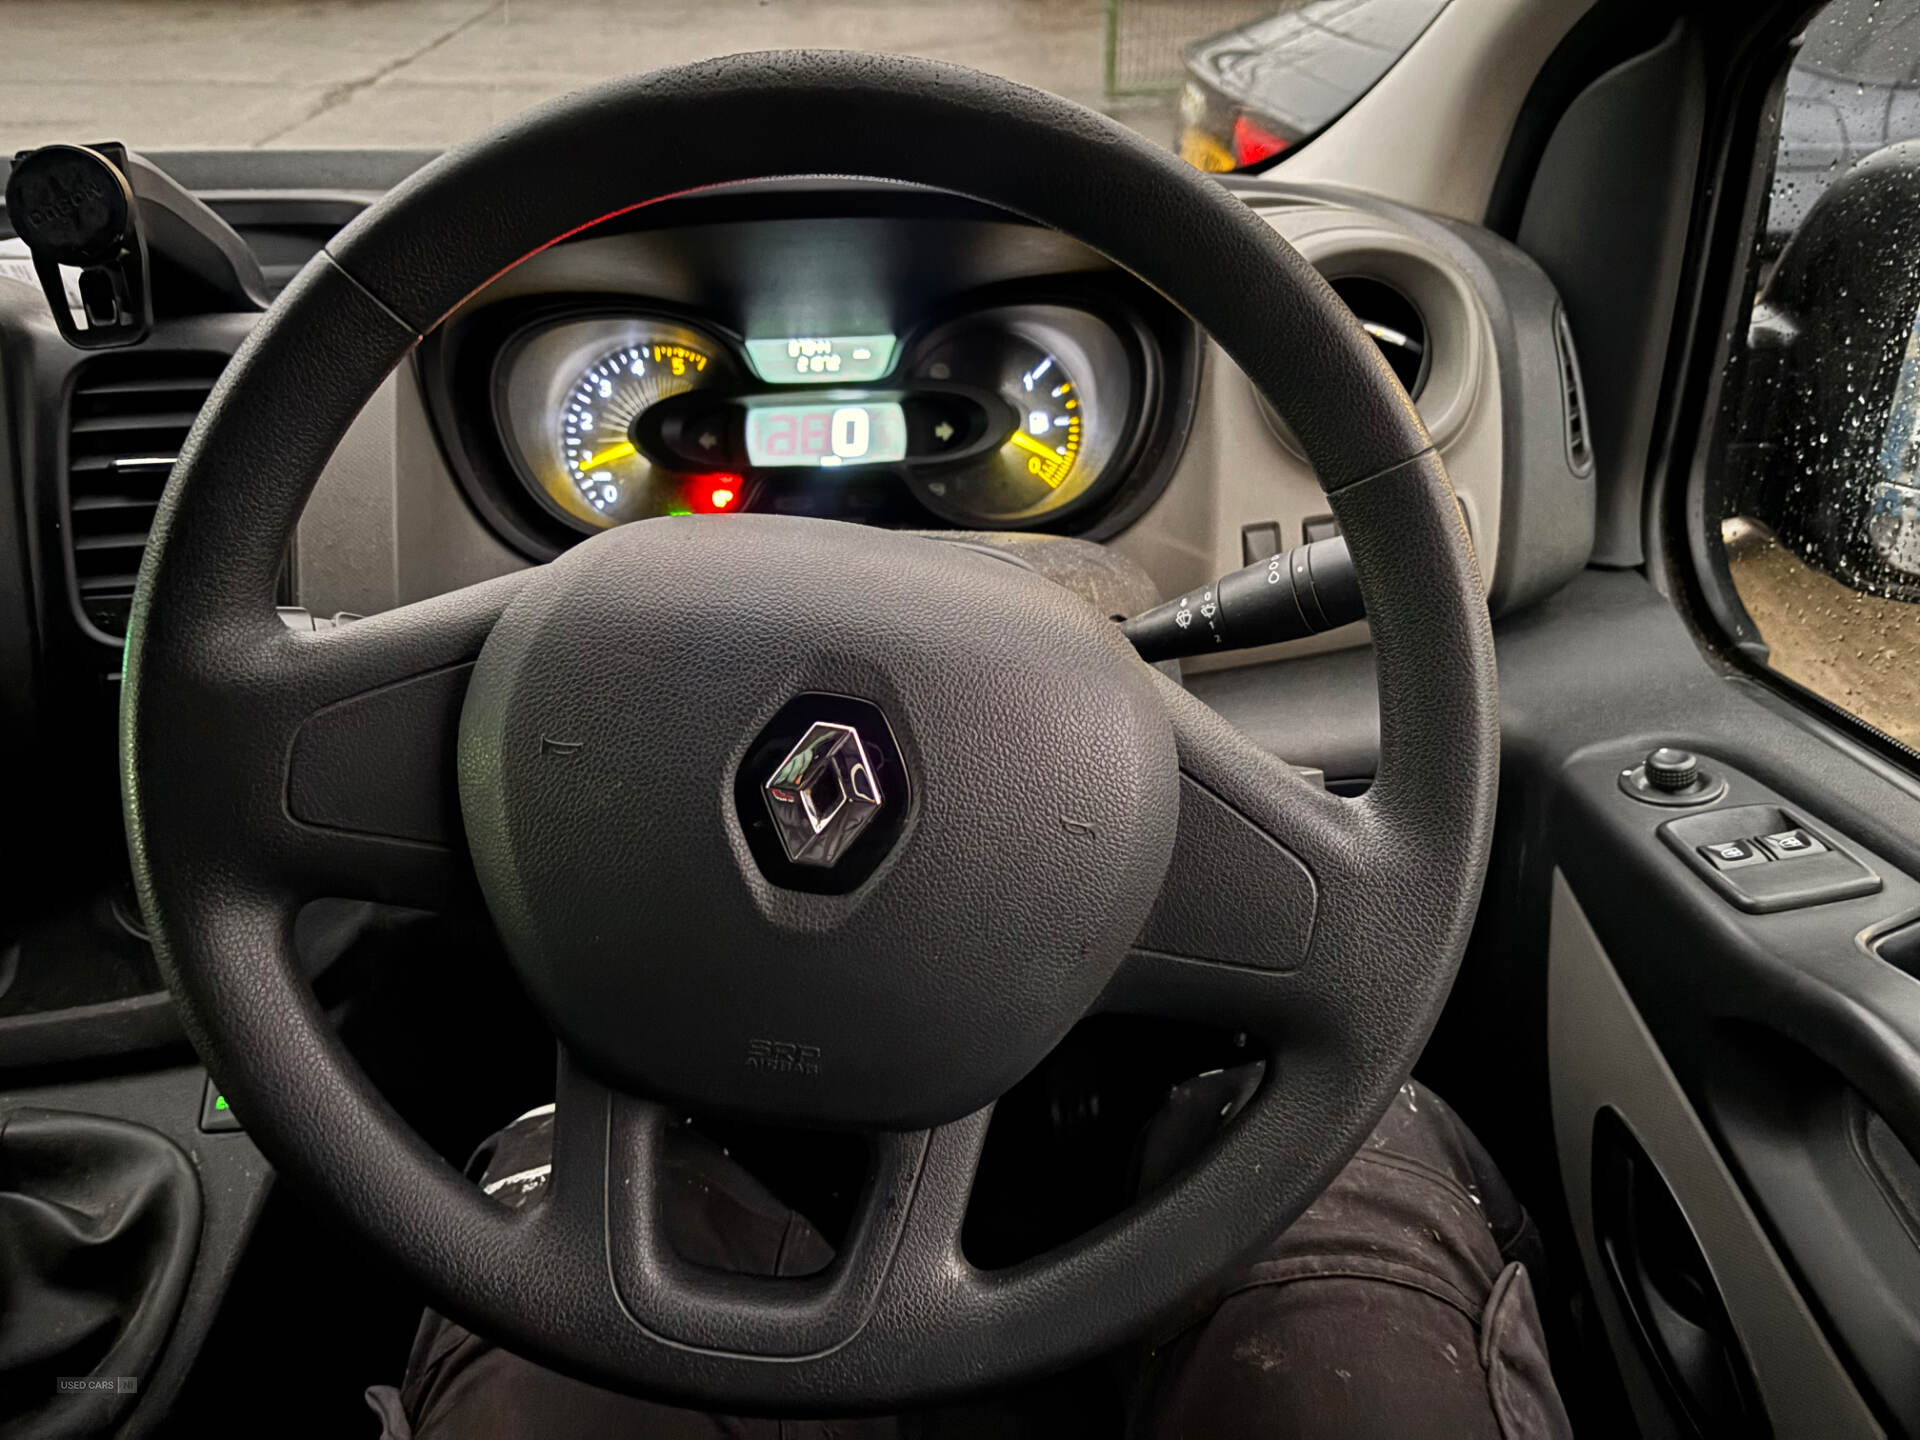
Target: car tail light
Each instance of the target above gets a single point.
(1203, 152)
(1253, 142)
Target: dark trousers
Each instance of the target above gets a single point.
(1398, 1305)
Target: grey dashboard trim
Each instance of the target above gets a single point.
(388, 523)
(1549, 507)
(1239, 469)
(1503, 437)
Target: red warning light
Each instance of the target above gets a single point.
(714, 494)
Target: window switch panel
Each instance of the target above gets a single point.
(1763, 859)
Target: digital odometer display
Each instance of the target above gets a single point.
(826, 435)
(821, 359)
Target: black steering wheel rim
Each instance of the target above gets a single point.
(1363, 906)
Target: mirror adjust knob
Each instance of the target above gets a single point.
(1671, 771)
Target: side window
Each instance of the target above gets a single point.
(1817, 488)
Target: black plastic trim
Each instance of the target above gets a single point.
(1606, 217)
(1664, 1284)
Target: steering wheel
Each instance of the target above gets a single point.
(992, 817)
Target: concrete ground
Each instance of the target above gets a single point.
(194, 74)
(1862, 652)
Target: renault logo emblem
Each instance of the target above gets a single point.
(823, 794)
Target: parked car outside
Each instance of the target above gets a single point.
(1257, 90)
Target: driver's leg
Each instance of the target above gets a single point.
(1400, 1304)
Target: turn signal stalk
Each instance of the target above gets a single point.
(1299, 593)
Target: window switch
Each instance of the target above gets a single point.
(1791, 844)
(1762, 859)
(1732, 854)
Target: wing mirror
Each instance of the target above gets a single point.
(1824, 444)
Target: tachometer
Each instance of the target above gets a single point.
(573, 393)
(596, 423)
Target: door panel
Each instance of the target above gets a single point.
(1604, 1058)
(1692, 995)
(1789, 1030)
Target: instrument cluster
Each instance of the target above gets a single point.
(1014, 412)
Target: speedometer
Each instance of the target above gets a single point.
(573, 394)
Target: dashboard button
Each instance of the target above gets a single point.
(1318, 527)
(1732, 854)
(216, 1116)
(1259, 542)
(1791, 844)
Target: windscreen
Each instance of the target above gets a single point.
(1228, 85)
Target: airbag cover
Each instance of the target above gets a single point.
(604, 731)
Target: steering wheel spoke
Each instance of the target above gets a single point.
(1207, 992)
(334, 763)
(1262, 862)
(371, 799)
(616, 1166)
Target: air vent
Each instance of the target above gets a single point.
(1573, 398)
(125, 425)
(1393, 322)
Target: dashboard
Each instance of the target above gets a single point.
(873, 353)
(855, 350)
